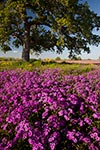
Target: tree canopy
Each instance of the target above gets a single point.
(40, 25)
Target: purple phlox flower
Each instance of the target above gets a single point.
(8, 119)
(96, 115)
(87, 88)
(22, 127)
(24, 135)
(53, 121)
(26, 127)
(93, 108)
(66, 118)
(9, 145)
(88, 120)
(78, 134)
(20, 109)
(53, 106)
(93, 147)
(30, 141)
(37, 146)
(94, 129)
(81, 123)
(51, 139)
(73, 99)
(4, 126)
(60, 113)
(37, 123)
(92, 99)
(18, 116)
(46, 129)
(82, 107)
(4, 140)
(54, 136)
(74, 121)
(52, 118)
(86, 140)
(30, 133)
(17, 128)
(70, 110)
(71, 136)
(95, 136)
(52, 146)
(45, 113)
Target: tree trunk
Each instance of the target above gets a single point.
(26, 46)
(26, 52)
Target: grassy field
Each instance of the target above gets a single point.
(9, 64)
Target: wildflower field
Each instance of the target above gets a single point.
(49, 110)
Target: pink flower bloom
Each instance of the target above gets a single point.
(60, 113)
(88, 120)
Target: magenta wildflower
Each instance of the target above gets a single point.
(49, 110)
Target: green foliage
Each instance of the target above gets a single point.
(99, 58)
(76, 58)
(40, 25)
(22, 145)
(9, 64)
(5, 48)
(58, 58)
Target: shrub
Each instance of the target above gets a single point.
(58, 58)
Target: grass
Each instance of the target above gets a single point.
(9, 64)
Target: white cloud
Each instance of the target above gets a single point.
(15, 51)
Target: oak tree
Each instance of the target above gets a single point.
(43, 25)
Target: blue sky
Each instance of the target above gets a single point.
(95, 51)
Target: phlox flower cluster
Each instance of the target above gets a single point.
(46, 110)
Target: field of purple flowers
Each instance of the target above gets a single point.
(49, 111)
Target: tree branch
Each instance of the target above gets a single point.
(38, 22)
